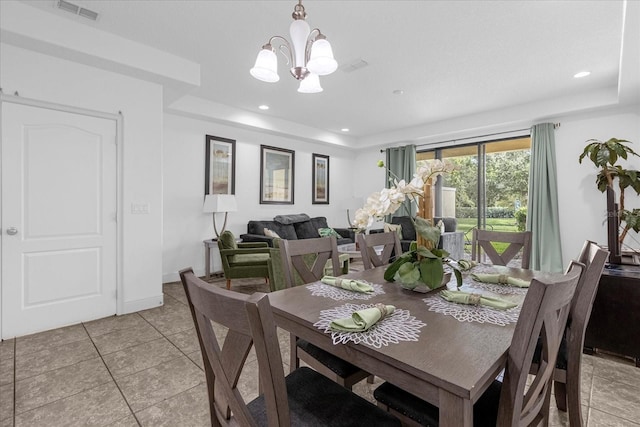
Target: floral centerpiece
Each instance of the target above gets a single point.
(423, 265)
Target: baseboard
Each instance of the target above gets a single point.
(143, 304)
(175, 277)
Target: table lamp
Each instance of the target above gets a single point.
(215, 203)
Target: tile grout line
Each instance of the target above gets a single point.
(62, 398)
(112, 378)
(15, 364)
(50, 370)
(171, 342)
(160, 332)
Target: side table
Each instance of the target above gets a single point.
(208, 244)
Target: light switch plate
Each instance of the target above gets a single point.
(140, 208)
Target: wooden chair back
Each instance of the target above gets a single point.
(368, 242)
(594, 258)
(296, 260)
(567, 382)
(482, 240)
(250, 323)
(544, 314)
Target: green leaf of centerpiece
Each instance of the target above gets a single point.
(408, 274)
(390, 272)
(426, 230)
(431, 272)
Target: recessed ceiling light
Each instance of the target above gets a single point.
(398, 92)
(581, 74)
(263, 107)
(345, 129)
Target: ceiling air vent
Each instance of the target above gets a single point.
(76, 10)
(354, 65)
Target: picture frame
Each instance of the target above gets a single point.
(277, 175)
(320, 180)
(220, 165)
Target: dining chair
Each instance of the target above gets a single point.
(515, 401)
(302, 398)
(516, 240)
(368, 242)
(566, 377)
(306, 258)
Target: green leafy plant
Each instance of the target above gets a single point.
(521, 218)
(423, 263)
(605, 155)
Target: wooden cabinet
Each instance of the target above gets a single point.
(615, 319)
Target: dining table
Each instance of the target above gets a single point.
(445, 353)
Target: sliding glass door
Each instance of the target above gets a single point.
(488, 189)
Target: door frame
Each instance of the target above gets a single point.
(119, 122)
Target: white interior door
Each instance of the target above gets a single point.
(59, 209)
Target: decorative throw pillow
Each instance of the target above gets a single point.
(328, 232)
(270, 233)
(393, 227)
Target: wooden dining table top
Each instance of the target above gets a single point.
(451, 363)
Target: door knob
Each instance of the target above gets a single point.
(11, 231)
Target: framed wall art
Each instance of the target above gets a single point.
(320, 180)
(276, 175)
(220, 166)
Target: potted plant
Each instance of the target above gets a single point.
(605, 155)
(421, 268)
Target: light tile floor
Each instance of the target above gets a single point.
(145, 369)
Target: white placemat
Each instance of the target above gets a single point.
(472, 313)
(468, 281)
(396, 327)
(338, 294)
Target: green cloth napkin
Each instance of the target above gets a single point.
(466, 264)
(348, 284)
(362, 320)
(461, 297)
(501, 279)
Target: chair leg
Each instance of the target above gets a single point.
(574, 396)
(546, 407)
(294, 362)
(560, 391)
(228, 283)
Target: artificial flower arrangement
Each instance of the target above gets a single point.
(423, 265)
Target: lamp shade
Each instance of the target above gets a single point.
(266, 66)
(310, 84)
(321, 60)
(220, 203)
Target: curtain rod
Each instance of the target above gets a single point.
(555, 126)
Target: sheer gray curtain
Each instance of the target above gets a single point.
(542, 209)
(401, 162)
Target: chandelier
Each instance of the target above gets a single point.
(309, 55)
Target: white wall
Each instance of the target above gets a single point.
(186, 226)
(582, 206)
(45, 78)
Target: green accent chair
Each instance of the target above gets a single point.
(276, 273)
(243, 260)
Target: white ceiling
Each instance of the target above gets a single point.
(451, 58)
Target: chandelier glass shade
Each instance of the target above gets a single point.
(309, 54)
